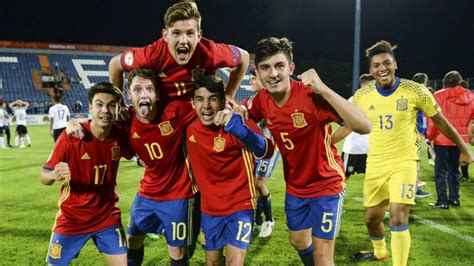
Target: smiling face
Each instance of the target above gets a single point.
(382, 68)
(207, 104)
(275, 72)
(182, 38)
(143, 95)
(103, 109)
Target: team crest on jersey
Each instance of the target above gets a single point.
(55, 251)
(298, 120)
(219, 143)
(128, 58)
(197, 72)
(115, 153)
(165, 128)
(402, 104)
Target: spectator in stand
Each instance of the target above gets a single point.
(457, 104)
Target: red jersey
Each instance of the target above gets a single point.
(87, 202)
(222, 168)
(160, 145)
(302, 131)
(175, 81)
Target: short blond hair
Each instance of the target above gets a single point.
(182, 11)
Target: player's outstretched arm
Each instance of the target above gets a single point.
(116, 72)
(237, 74)
(60, 172)
(452, 134)
(353, 117)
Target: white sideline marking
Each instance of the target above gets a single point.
(436, 226)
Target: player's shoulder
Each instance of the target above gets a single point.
(364, 91)
(412, 86)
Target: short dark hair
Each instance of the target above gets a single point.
(464, 84)
(421, 78)
(56, 98)
(380, 47)
(212, 84)
(365, 78)
(271, 46)
(252, 72)
(104, 87)
(451, 79)
(144, 73)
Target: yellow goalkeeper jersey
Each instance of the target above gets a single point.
(393, 114)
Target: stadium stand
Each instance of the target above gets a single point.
(31, 74)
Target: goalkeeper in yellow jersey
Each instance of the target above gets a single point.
(392, 104)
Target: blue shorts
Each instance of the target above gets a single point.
(265, 167)
(322, 214)
(174, 217)
(234, 229)
(64, 248)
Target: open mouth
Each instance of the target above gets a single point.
(144, 108)
(183, 53)
(207, 116)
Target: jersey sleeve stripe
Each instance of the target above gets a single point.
(64, 196)
(250, 176)
(330, 154)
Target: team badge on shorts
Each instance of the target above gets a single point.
(165, 128)
(298, 120)
(197, 72)
(115, 153)
(402, 104)
(55, 251)
(219, 143)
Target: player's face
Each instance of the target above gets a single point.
(143, 95)
(182, 39)
(103, 109)
(255, 83)
(206, 104)
(382, 68)
(275, 73)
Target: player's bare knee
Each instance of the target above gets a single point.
(176, 253)
(299, 242)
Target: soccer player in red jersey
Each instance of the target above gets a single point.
(220, 147)
(181, 53)
(298, 115)
(165, 197)
(87, 169)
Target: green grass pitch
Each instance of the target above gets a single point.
(27, 210)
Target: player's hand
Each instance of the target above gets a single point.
(52, 133)
(74, 129)
(311, 79)
(237, 108)
(123, 113)
(223, 117)
(466, 158)
(62, 171)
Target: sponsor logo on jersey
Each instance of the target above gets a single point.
(402, 104)
(298, 120)
(192, 139)
(165, 128)
(55, 251)
(85, 156)
(128, 58)
(219, 143)
(135, 136)
(115, 153)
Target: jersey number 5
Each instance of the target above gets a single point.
(287, 142)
